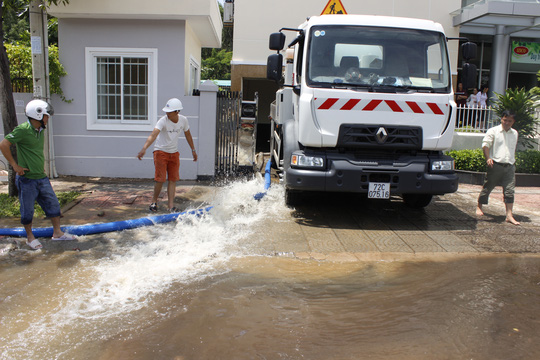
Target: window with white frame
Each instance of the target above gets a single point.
(194, 75)
(121, 88)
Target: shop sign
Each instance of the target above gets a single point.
(525, 52)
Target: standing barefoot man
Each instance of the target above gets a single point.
(499, 147)
(166, 155)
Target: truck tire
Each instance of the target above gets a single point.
(291, 198)
(417, 201)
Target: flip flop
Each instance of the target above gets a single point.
(34, 244)
(64, 237)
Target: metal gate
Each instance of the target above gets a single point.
(235, 134)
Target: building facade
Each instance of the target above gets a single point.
(124, 59)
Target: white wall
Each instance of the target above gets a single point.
(84, 152)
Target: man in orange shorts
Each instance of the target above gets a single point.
(166, 155)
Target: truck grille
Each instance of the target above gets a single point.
(379, 136)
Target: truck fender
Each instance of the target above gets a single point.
(289, 141)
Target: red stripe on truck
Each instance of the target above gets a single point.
(372, 105)
(328, 104)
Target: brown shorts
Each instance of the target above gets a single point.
(166, 164)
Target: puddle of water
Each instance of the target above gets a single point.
(193, 291)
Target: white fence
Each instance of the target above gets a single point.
(478, 120)
(475, 119)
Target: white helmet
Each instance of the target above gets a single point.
(35, 109)
(173, 105)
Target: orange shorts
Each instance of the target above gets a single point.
(166, 164)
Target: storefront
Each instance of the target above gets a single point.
(508, 38)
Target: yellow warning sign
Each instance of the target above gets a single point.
(334, 7)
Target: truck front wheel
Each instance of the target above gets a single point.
(291, 197)
(417, 201)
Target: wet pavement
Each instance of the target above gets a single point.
(335, 227)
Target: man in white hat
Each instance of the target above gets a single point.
(166, 155)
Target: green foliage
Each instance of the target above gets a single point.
(216, 63)
(524, 104)
(469, 160)
(217, 66)
(527, 162)
(9, 205)
(467, 129)
(536, 90)
(20, 58)
(16, 25)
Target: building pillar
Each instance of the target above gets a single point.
(207, 129)
(499, 61)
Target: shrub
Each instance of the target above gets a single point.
(469, 160)
(527, 162)
(20, 59)
(523, 103)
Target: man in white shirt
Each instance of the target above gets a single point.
(499, 147)
(166, 155)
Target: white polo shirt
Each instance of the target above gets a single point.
(169, 132)
(502, 144)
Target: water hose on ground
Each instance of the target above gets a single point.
(89, 229)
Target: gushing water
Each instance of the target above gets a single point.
(139, 266)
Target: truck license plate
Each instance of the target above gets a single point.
(379, 190)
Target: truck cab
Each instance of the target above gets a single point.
(367, 106)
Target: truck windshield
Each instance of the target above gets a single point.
(377, 58)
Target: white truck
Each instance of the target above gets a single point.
(366, 106)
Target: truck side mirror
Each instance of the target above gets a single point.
(274, 67)
(468, 75)
(277, 41)
(468, 50)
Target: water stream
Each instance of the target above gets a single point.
(198, 290)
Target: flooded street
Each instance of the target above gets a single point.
(233, 284)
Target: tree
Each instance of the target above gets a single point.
(7, 105)
(216, 63)
(217, 66)
(524, 104)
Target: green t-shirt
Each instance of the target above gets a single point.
(29, 142)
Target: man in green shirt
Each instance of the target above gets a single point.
(32, 182)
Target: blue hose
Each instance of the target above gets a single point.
(267, 180)
(105, 227)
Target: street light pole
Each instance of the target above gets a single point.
(40, 73)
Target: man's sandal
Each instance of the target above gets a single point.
(34, 244)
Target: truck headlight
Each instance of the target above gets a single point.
(307, 161)
(442, 165)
